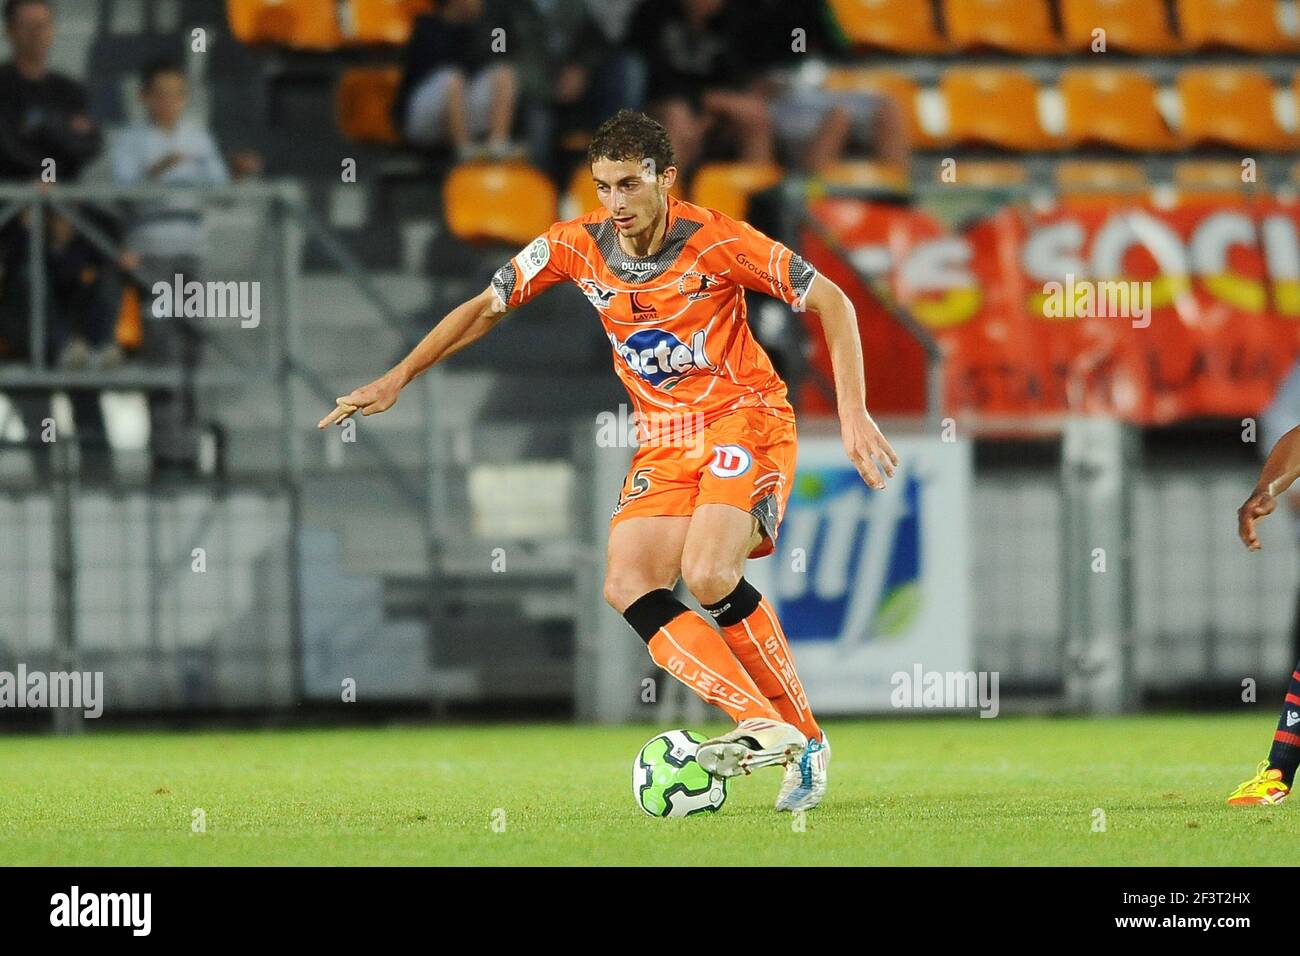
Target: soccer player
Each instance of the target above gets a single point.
(1274, 776)
(708, 488)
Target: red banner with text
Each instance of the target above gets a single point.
(1148, 313)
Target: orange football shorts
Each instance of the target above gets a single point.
(745, 459)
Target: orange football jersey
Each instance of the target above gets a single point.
(676, 320)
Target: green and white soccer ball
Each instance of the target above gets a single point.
(667, 782)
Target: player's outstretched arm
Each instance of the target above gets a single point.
(461, 326)
(865, 445)
(1280, 470)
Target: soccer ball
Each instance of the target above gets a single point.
(667, 782)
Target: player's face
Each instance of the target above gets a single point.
(633, 192)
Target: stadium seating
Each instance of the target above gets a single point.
(367, 22)
(1230, 106)
(1105, 182)
(891, 83)
(1248, 25)
(994, 107)
(903, 26)
(363, 104)
(1016, 26)
(1113, 107)
(301, 24)
(1131, 26)
(989, 173)
(504, 202)
(860, 174)
(727, 187)
(1217, 181)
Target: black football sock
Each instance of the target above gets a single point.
(1285, 754)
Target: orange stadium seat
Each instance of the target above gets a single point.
(302, 24)
(891, 83)
(363, 104)
(1230, 106)
(1213, 180)
(1113, 107)
(901, 25)
(1092, 183)
(505, 202)
(995, 107)
(727, 187)
(381, 21)
(1250, 25)
(1134, 26)
(865, 174)
(1018, 26)
(581, 191)
(987, 173)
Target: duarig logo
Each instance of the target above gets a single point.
(862, 580)
(660, 357)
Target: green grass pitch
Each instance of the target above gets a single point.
(939, 791)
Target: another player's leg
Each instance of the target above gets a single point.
(1274, 776)
(718, 540)
(644, 563)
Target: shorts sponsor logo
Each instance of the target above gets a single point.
(729, 461)
(661, 358)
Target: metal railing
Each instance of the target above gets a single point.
(286, 224)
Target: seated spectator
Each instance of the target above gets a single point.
(456, 91)
(166, 238)
(574, 73)
(699, 80)
(815, 127)
(44, 118)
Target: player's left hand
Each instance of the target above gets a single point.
(1257, 506)
(867, 448)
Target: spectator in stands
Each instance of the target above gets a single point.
(47, 134)
(814, 126)
(574, 71)
(699, 78)
(167, 237)
(456, 90)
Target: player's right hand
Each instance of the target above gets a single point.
(379, 396)
(1257, 506)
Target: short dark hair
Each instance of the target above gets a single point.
(630, 134)
(156, 68)
(13, 6)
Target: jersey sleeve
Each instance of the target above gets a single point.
(760, 263)
(537, 267)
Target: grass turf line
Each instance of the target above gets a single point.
(932, 791)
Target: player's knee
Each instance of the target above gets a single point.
(621, 590)
(710, 580)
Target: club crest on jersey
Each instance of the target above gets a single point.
(728, 461)
(596, 293)
(642, 310)
(696, 285)
(661, 358)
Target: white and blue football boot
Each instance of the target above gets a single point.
(756, 742)
(804, 785)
